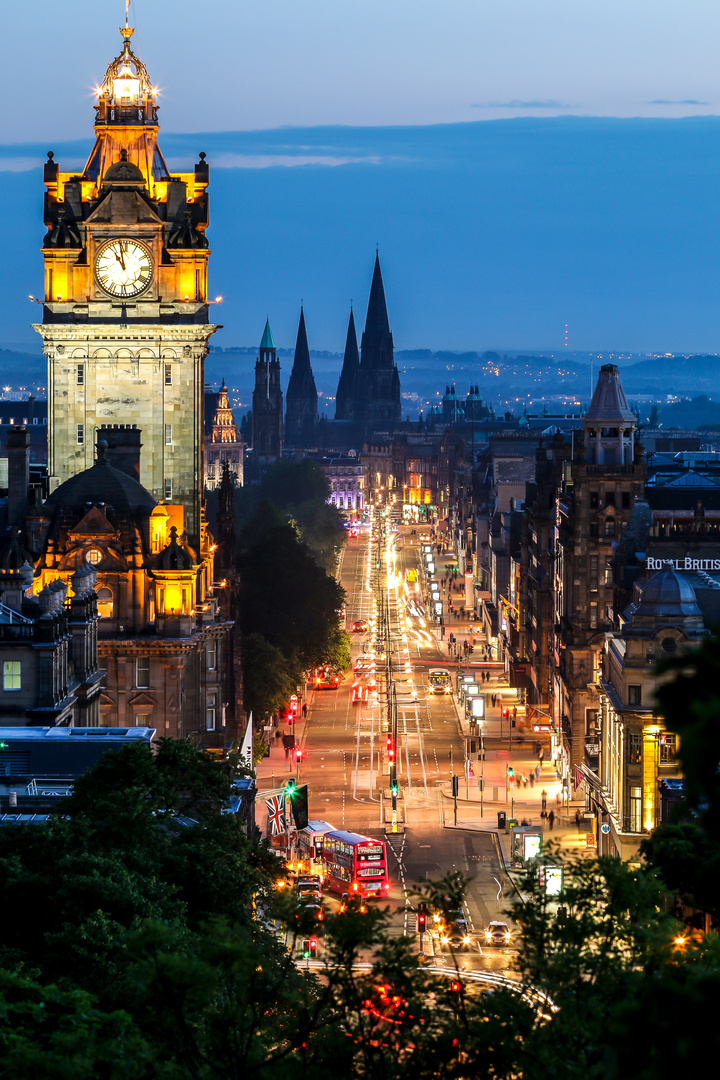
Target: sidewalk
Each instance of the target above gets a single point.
(505, 747)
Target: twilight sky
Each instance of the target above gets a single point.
(521, 163)
(231, 64)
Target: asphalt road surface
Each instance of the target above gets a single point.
(345, 753)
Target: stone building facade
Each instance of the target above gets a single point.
(223, 444)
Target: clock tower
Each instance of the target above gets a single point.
(125, 322)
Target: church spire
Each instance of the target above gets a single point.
(346, 384)
(377, 343)
(301, 414)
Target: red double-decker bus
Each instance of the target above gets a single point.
(355, 864)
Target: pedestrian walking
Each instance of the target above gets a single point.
(551, 819)
(442, 631)
(525, 780)
(541, 754)
(492, 699)
(304, 711)
(514, 713)
(558, 800)
(537, 773)
(543, 799)
(578, 819)
(532, 778)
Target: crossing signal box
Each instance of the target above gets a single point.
(511, 771)
(422, 918)
(456, 786)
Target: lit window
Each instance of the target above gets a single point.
(168, 434)
(80, 374)
(635, 809)
(634, 748)
(94, 556)
(106, 604)
(168, 490)
(80, 434)
(142, 672)
(168, 374)
(142, 719)
(12, 675)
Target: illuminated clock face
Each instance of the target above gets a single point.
(123, 268)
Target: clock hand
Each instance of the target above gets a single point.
(120, 256)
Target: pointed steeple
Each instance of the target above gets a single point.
(268, 341)
(377, 344)
(376, 403)
(301, 415)
(346, 383)
(302, 381)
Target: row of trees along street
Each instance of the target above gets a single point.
(139, 940)
(290, 539)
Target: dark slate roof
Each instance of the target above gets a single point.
(608, 401)
(302, 381)
(101, 484)
(668, 595)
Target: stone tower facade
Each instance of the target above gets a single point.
(267, 405)
(223, 444)
(125, 323)
(605, 477)
(301, 415)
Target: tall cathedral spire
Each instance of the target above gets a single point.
(377, 342)
(301, 415)
(376, 398)
(346, 384)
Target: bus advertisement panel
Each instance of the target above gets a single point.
(354, 864)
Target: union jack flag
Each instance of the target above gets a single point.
(276, 815)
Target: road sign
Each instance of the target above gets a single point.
(605, 828)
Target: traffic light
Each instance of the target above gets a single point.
(290, 787)
(309, 947)
(422, 917)
(456, 986)
(390, 749)
(299, 804)
(394, 788)
(298, 754)
(456, 786)
(511, 771)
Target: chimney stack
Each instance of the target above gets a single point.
(123, 447)
(18, 474)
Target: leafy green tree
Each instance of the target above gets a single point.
(268, 677)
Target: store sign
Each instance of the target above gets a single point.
(592, 749)
(687, 562)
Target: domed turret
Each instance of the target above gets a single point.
(667, 595)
